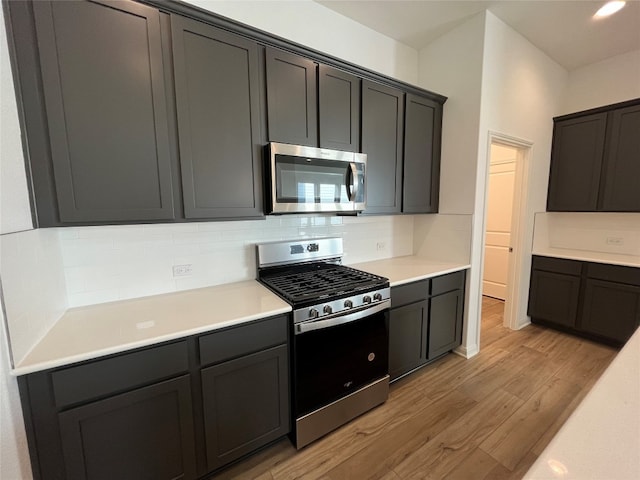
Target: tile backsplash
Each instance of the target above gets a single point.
(46, 271)
(33, 286)
(107, 263)
(612, 237)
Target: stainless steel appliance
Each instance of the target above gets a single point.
(340, 341)
(307, 179)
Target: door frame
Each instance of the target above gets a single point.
(519, 214)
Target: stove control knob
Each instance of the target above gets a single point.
(377, 297)
(313, 313)
(366, 299)
(348, 304)
(327, 309)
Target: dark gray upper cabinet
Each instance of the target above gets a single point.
(104, 91)
(338, 109)
(621, 191)
(421, 172)
(292, 104)
(576, 161)
(594, 160)
(217, 98)
(382, 128)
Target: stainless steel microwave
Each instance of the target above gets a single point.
(307, 179)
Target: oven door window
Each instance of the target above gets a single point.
(336, 361)
(301, 180)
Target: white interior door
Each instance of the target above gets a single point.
(502, 171)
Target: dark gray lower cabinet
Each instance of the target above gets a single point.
(611, 309)
(594, 300)
(408, 328)
(445, 322)
(245, 404)
(156, 413)
(146, 433)
(425, 321)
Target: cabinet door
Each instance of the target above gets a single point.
(576, 162)
(382, 127)
(291, 98)
(610, 309)
(407, 338)
(104, 91)
(146, 433)
(218, 120)
(445, 323)
(621, 186)
(246, 404)
(422, 131)
(339, 109)
(553, 297)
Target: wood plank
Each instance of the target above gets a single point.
(401, 441)
(497, 375)
(443, 452)
(476, 466)
(512, 440)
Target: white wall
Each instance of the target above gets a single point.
(452, 66)
(317, 27)
(522, 89)
(14, 459)
(611, 81)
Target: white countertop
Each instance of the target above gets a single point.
(400, 270)
(601, 439)
(586, 256)
(89, 332)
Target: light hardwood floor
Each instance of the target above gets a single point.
(488, 417)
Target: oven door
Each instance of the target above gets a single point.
(333, 361)
(306, 179)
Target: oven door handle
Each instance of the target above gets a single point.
(340, 319)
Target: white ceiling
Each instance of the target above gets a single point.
(565, 30)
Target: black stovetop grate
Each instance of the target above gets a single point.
(319, 281)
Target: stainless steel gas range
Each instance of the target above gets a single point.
(339, 332)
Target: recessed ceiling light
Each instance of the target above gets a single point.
(609, 8)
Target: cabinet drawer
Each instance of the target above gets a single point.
(238, 341)
(557, 265)
(409, 293)
(447, 283)
(614, 273)
(117, 374)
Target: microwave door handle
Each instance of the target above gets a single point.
(352, 186)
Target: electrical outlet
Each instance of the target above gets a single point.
(381, 246)
(182, 270)
(617, 241)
